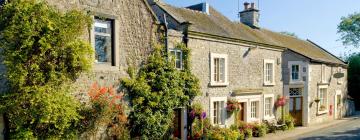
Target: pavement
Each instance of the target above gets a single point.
(343, 129)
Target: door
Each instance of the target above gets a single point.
(295, 109)
(338, 106)
(241, 112)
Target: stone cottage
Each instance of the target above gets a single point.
(122, 34)
(244, 62)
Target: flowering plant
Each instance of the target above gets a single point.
(281, 101)
(232, 105)
(197, 112)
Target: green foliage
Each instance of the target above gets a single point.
(354, 77)
(289, 122)
(155, 91)
(42, 114)
(218, 133)
(259, 130)
(43, 53)
(349, 29)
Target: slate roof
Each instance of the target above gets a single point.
(217, 24)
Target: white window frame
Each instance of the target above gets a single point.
(181, 57)
(323, 74)
(299, 63)
(266, 82)
(257, 118)
(224, 113)
(326, 98)
(212, 69)
(271, 116)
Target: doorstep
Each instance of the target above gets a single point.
(292, 134)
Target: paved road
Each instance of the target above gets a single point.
(349, 130)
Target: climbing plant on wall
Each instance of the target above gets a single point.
(43, 54)
(156, 90)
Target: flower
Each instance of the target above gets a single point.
(192, 114)
(203, 115)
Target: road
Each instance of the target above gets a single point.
(349, 130)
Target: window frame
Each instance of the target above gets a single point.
(271, 115)
(224, 112)
(112, 35)
(257, 110)
(214, 56)
(325, 99)
(266, 82)
(300, 72)
(176, 50)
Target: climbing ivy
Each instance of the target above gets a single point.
(43, 54)
(157, 90)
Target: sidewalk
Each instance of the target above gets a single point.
(292, 134)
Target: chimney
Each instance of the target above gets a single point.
(250, 15)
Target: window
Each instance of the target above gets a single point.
(254, 109)
(269, 72)
(218, 110)
(323, 74)
(295, 92)
(295, 72)
(103, 32)
(177, 54)
(322, 97)
(218, 69)
(268, 106)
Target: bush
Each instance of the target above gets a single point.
(218, 133)
(259, 130)
(289, 122)
(271, 128)
(245, 128)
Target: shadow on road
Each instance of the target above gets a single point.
(346, 135)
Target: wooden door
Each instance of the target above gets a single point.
(295, 109)
(338, 106)
(241, 112)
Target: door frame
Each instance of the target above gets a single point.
(303, 104)
(336, 111)
(294, 98)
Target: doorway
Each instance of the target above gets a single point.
(338, 105)
(241, 114)
(296, 105)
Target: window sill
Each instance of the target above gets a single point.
(214, 84)
(98, 67)
(269, 84)
(297, 82)
(269, 117)
(321, 112)
(254, 120)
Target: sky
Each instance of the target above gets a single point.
(316, 20)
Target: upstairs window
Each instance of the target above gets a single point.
(295, 75)
(218, 69)
(177, 55)
(269, 72)
(104, 45)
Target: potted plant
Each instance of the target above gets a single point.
(322, 108)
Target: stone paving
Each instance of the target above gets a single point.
(310, 132)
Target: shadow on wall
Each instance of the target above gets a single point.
(346, 135)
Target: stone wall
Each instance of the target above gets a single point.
(135, 32)
(334, 86)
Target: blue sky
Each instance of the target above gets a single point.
(316, 20)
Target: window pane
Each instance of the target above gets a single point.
(222, 116)
(103, 40)
(222, 70)
(298, 104)
(215, 117)
(291, 104)
(216, 69)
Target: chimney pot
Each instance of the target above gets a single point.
(253, 6)
(246, 6)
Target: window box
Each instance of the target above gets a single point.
(219, 70)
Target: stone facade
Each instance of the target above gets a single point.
(313, 77)
(135, 30)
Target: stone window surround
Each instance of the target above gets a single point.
(181, 57)
(290, 64)
(212, 70)
(326, 100)
(269, 83)
(116, 57)
(217, 99)
(272, 116)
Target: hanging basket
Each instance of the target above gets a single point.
(232, 106)
(280, 102)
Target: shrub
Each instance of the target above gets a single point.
(259, 130)
(218, 133)
(289, 121)
(244, 128)
(271, 128)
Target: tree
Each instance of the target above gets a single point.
(43, 54)
(349, 29)
(354, 77)
(156, 91)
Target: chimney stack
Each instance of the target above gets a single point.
(250, 15)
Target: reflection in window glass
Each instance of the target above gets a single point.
(103, 40)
